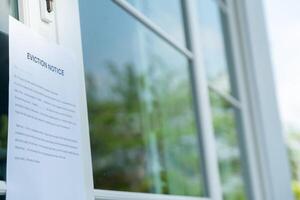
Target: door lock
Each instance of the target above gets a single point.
(49, 5)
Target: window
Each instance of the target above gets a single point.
(225, 106)
(142, 118)
(145, 129)
(166, 14)
(140, 100)
(216, 45)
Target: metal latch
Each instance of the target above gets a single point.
(47, 11)
(49, 5)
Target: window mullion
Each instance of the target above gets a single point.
(153, 27)
(203, 103)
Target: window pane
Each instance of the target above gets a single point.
(166, 14)
(225, 120)
(14, 8)
(7, 7)
(215, 38)
(143, 130)
(4, 12)
(216, 46)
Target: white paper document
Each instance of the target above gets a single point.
(44, 141)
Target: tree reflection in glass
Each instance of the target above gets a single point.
(144, 137)
(225, 120)
(142, 121)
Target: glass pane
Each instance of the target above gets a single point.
(226, 126)
(216, 46)
(143, 130)
(4, 12)
(7, 7)
(14, 8)
(166, 14)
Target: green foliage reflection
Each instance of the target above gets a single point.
(294, 158)
(143, 131)
(225, 127)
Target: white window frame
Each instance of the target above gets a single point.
(265, 153)
(270, 168)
